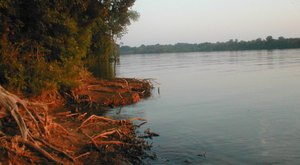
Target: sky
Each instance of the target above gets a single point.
(197, 21)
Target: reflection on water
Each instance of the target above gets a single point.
(238, 107)
(102, 69)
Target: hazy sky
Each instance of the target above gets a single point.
(196, 21)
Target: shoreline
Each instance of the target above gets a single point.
(67, 131)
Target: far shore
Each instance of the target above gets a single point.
(232, 45)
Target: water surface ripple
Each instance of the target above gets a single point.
(239, 107)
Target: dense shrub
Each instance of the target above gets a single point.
(45, 43)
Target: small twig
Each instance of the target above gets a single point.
(120, 95)
(119, 111)
(73, 114)
(139, 125)
(42, 151)
(80, 117)
(2, 133)
(61, 127)
(109, 142)
(32, 117)
(95, 117)
(127, 84)
(63, 113)
(92, 140)
(119, 132)
(55, 149)
(82, 155)
(137, 118)
(46, 118)
(105, 134)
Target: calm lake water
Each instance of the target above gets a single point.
(239, 107)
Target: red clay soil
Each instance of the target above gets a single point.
(74, 137)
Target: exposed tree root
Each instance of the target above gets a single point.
(29, 135)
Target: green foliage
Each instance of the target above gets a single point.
(231, 45)
(46, 43)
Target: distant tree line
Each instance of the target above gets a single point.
(46, 44)
(231, 45)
